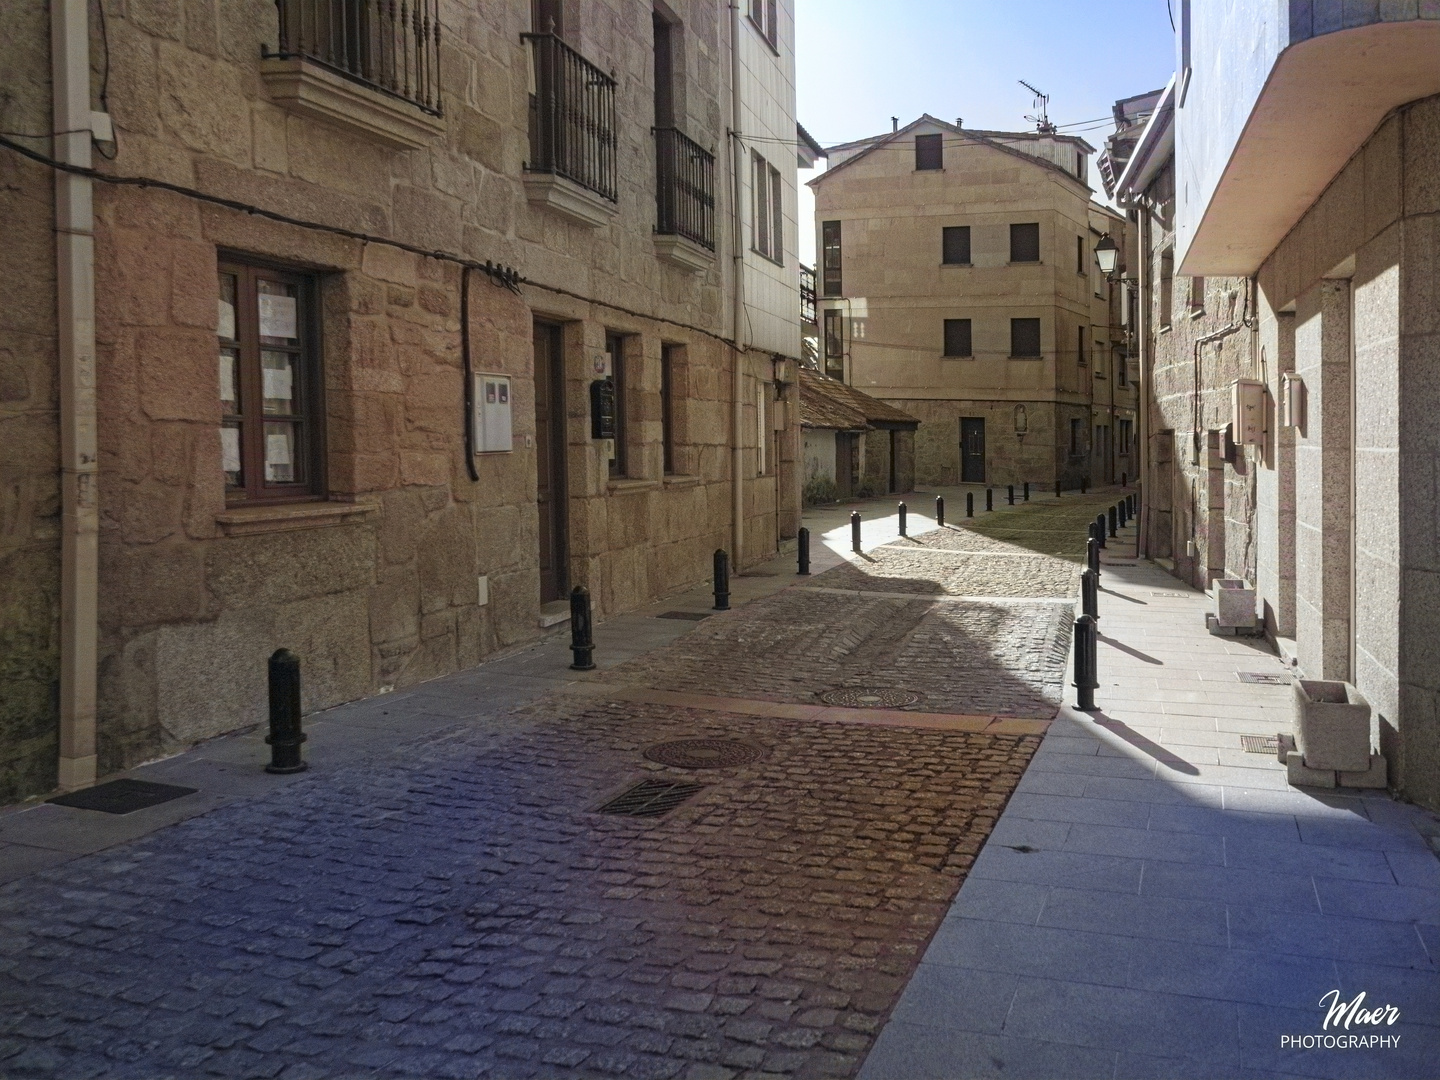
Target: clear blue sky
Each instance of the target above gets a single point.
(858, 63)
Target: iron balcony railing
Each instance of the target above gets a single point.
(388, 45)
(807, 294)
(572, 117)
(684, 188)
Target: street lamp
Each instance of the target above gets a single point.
(1106, 254)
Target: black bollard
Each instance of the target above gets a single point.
(903, 511)
(1122, 480)
(582, 644)
(1057, 489)
(1092, 554)
(1086, 670)
(285, 735)
(1027, 490)
(802, 545)
(1083, 481)
(1120, 512)
(989, 499)
(1010, 493)
(1089, 593)
(1112, 521)
(1100, 529)
(939, 511)
(969, 504)
(722, 580)
(855, 531)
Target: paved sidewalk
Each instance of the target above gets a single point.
(1157, 903)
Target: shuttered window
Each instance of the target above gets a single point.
(929, 152)
(1025, 242)
(1025, 337)
(957, 337)
(955, 244)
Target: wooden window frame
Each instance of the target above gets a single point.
(615, 347)
(967, 332)
(777, 217)
(930, 154)
(1013, 234)
(1039, 352)
(831, 238)
(308, 384)
(667, 407)
(1080, 335)
(948, 231)
(764, 15)
(1080, 267)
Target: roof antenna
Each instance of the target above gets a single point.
(894, 123)
(1041, 120)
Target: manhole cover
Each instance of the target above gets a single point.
(866, 697)
(703, 753)
(122, 796)
(692, 616)
(1260, 744)
(650, 798)
(1264, 678)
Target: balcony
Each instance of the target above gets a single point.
(572, 165)
(684, 200)
(369, 66)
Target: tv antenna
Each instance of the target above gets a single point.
(1041, 119)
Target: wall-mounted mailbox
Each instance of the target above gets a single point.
(602, 409)
(1247, 401)
(491, 415)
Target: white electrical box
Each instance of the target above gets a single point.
(1247, 402)
(1292, 400)
(491, 418)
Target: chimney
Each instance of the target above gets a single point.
(959, 121)
(894, 123)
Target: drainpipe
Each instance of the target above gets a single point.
(737, 448)
(1142, 392)
(75, 304)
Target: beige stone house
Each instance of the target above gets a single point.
(1284, 196)
(956, 281)
(370, 337)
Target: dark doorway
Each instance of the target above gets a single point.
(894, 487)
(550, 461)
(844, 465)
(972, 450)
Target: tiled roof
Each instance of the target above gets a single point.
(829, 403)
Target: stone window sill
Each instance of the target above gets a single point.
(306, 88)
(568, 199)
(622, 486)
(683, 253)
(286, 517)
(675, 480)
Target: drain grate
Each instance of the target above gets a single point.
(1260, 744)
(691, 616)
(869, 697)
(1175, 595)
(1119, 564)
(703, 753)
(1264, 678)
(650, 798)
(122, 796)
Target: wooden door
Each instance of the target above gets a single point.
(550, 461)
(972, 450)
(844, 465)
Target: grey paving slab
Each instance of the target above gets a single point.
(21, 860)
(1261, 1027)
(904, 1052)
(1029, 804)
(1220, 822)
(1146, 844)
(1226, 973)
(1234, 885)
(1066, 869)
(1157, 917)
(1378, 941)
(998, 900)
(954, 998)
(1366, 900)
(1073, 955)
(1357, 864)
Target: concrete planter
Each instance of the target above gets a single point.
(1332, 726)
(1234, 600)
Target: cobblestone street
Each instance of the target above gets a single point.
(459, 908)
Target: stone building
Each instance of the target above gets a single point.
(855, 446)
(1290, 167)
(503, 298)
(956, 282)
